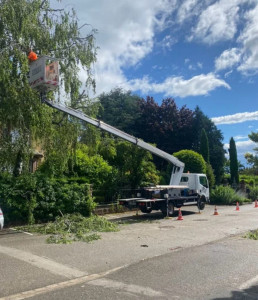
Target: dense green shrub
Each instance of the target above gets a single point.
(32, 197)
(194, 162)
(249, 179)
(226, 195)
(62, 196)
(18, 197)
(94, 168)
(253, 195)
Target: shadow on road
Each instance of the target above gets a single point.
(146, 218)
(7, 231)
(246, 294)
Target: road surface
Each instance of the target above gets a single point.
(202, 257)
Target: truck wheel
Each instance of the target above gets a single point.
(201, 203)
(146, 210)
(168, 212)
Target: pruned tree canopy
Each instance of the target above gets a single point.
(33, 24)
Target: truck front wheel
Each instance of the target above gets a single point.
(201, 203)
(168, 211)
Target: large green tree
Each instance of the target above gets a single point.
(120, 109)
(33, 24)
(215, 139)
(204, 146)
(166, 125)
(134, 165)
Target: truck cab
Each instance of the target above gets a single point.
(197, 184)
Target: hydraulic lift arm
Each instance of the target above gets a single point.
(44, 77)
(178, 166)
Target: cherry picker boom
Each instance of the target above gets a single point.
(178, 166)
(183, 188)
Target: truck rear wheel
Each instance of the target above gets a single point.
(146, 210)
(168, 211)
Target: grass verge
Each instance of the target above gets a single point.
(69, 228)
(253, 235)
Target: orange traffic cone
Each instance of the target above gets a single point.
(256, 204)
(180, 217)
(237, 206)
(215, 211)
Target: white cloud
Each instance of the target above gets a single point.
(218, 22)
(249, 41)
(236, 118)
(193, 66)
(240, 137)
(199, 65)
(187, 9)
(226, 75)
(227, 59)
(167, 42)
(178, 86)
(125, 33)
(242, 148)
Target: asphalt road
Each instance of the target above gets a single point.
(202, 257)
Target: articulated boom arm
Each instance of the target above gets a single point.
(178, 166)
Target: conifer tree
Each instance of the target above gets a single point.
(233, 162)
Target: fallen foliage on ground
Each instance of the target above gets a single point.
(69, 228)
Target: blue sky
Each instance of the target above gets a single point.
(199, 52)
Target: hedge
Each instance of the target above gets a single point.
(34, 198)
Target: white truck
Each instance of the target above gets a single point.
(193, 189)
(183, 189)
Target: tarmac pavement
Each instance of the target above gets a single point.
(28, 263)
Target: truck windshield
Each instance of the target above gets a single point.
(203, 181)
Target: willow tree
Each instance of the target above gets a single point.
(34, 24)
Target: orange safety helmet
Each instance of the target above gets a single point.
(32, 56)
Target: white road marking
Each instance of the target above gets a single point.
(14, 229)
(131, 288)
(249, 283)
(58, 286)
(43, 263)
